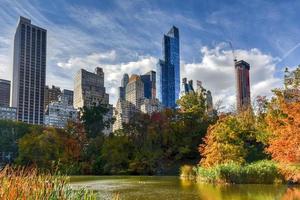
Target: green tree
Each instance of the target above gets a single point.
(10, 133)
(116, 154)
(191, 126)
(95, 119)
(41, 149)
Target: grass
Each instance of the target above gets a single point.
(21, 183)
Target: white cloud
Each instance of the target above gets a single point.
(216, 71)
(113, 72)
(92, 59)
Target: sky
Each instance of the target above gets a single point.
(125, 36)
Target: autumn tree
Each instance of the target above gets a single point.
(234, 138)
(283, 121)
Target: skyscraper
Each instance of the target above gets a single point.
(168, 70)
(135, 91)
(29, 71)
(4, 93)
(136, 94)
(89, 89)
(122, 89)
(242, 84)
(149, 80)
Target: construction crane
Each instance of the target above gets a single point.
(232, 50)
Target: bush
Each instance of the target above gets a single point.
(290, 172)
(261, 172)
(187, 172)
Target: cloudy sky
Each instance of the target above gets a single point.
(125, 36)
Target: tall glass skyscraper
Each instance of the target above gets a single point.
(168, 70)
(29, 71)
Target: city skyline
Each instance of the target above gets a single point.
(205, 55)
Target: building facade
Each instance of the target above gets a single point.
(8, 113)
(135, 98)
(243, 100)
(123, 111)
(135, 91)
(150, 106)
(51, 94)
(186, 87)
(29, 71)
(58, 113)
(122, 89)
(206, 94)
(4, 93)
(292, 85)
(89, 89)
(69, 94)
(168, 70)
(149, 80)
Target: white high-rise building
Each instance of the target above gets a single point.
(58, 113)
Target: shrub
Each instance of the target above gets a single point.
(209, 175)
(187, 172)
(261, 172)
(291, 173)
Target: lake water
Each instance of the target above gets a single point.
(167, 188)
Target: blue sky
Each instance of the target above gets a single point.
(125, 36)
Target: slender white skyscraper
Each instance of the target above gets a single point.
(29, 71)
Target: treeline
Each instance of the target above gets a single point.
(264, 138)
(156, 144)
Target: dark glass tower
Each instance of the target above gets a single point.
(29, 71)
(168, 70)
(149, 80)
(122, 89)
(4, 93)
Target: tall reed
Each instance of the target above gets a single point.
(18, 183)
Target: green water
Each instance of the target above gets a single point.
(167, 188)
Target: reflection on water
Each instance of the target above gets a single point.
(167, 188)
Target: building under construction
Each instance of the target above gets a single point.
(242, 69)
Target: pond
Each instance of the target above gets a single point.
(167, 188)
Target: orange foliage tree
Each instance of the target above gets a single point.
(283, 121)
